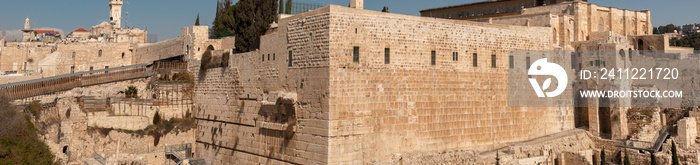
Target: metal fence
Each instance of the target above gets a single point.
(301, 7)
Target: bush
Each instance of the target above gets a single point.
(23, 150)
(156, 118)
(19, 143)
(131, 92)
(183, 77)
(35, 109)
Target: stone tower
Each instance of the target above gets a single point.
(115, 12)
(26, 24)
(357, 4)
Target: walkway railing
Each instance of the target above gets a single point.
(49, 85)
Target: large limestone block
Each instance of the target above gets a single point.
(687, 132)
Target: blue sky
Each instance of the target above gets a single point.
(165, 18)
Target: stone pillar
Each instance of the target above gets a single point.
(687, 132)
(357, 4)
(619, 123)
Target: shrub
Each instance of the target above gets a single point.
(184, 77)
(156, 118)
(131, 92)
(34, 108)
(19, 143)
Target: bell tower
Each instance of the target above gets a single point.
(115, 12)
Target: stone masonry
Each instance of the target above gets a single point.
(322, 107)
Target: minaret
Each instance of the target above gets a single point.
(357, 4)
(26, 24)
(115, 12)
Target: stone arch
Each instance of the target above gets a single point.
(601, 24)
(640, 44)
(122, 55)
(210, 47)
(99, 53)
(622, 53)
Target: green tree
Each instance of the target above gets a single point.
(690, 41)
(223, 21)
(674, 155)
(653, 159)
(281, 6)
(131, 92)
(385, 9)
(196, 22)
(253, 17)
(602, 157)
(288, 7)
(670, 28)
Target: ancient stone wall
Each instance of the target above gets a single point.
(132, 123)
(261, 109)
(85, 57)
(23, 57)
(411, 104)
(147, 53)
(196, 41)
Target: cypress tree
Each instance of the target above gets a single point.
(196, 22)
(252, 18)
(674, 157)
(281, 6)
(602, 157)
(288, 7)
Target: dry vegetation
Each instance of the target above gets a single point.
(19, 143)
